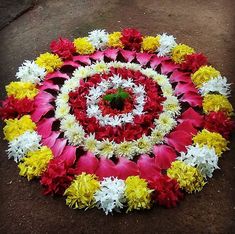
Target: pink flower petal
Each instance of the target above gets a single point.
(128, 55)
(40, 111)
(155, 61)
(43, 98)
(49, 85)
(168, 66)
(58, 147)
(82, 59)
(111, 53)
(44, 127)
(50, 141)
(187, 127)
(182, 88)
(143, 58)
(106, 168)
(164, 156)
(178, 76)
(179, 140)
(98, 55)
(71, 63)
(147, 167)
(69, 155)
(126, 168)
(193, 99)
(56, 74)
(191, 115)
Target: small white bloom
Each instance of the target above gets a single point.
(157, 136)
(62, 111)
(98, 38)
(204, 158)
(106, 148)
(218, 84)
(20, 146)
(90, 144)
(75, 135)
(171, 105)
(165, 122)
(143, 145)
(93, 110)
(82, 72)
(30, 72)
(126, 149)
(167, 42)
(110, 196)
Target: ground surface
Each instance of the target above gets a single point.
(208, 26)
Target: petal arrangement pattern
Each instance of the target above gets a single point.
(118, 121)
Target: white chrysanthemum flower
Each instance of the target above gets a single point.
(126, 149)
(115, 64)
(149, 72)
(75, 135)
(62, 99)
(165, 122)
(20, 146)
(93, 110)
(99, 67)
(106, 148)
(167, 42)
(90, 144)
(116, 81)
(62, 111)
(82, 72)
(67, 122)
(98, 38)
(171, 105)
(30, 72)
(157, 136)
(110, 196)
(218, 84)
(204, 158)
(132, 66)
(143, 145)
(70, 85)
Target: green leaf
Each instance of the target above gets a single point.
(109, 97)
(123, 95)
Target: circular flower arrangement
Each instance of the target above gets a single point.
(118, 121)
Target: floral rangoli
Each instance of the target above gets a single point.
(118, 121)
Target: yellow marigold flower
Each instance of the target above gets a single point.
(80, 194)
(188, 177)
(204, 74)
(216, 102)
(114, 40)
(35, 162)
(49, 61)
(212, 140)
(83, 46)
(137, 193)
(180, 51)
(21, 90)
(150, 44)
(16, 127)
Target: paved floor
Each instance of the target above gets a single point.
(208, 26)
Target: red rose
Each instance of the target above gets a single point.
(131, 39)
(63, 47)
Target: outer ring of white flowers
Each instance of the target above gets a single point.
(76, 135)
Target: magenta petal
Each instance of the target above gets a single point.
(187, 127)
(178, 76)
(155, 61)
(191, 115)
(83, 59)
(126, 168)
(50, 141)
(143, 58)
(44, 127)
(182, 88)
(49, 85)
(43, 98)
(168, 66)
(87, 163)
(58, 147)
(128, 55)
(71, 63)
(164, 156)
(98, 55)
(193, 99)
(148, 168)
(69, 155)
(41, 111)
(56, 74)
(111, 53)
(179, 140)
(106, 168)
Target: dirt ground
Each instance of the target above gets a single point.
(208, 26)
